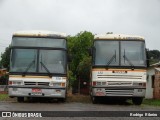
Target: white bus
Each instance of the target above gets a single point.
(118, 67)
(38, 65)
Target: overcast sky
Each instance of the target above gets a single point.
(137, 17)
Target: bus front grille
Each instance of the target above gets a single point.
(37, 83)
(119, 92)
(119, 83)
(120, 76)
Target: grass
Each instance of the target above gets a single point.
(4, 97)
(150, 102)
(153, 102)
(79, 98)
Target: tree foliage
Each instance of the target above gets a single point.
(154, 56)
(5, 58)
(84, 67)
(78, 47)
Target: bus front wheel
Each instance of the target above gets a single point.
(62, 99)
(137, 100)
(20, 99)
(94, 100)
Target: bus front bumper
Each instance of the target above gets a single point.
(15, 91)
(119, 91)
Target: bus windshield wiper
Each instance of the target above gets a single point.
(130, 63)
(110, 61)
(46, 69)
(28, 67)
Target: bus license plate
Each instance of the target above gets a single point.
(36, 92)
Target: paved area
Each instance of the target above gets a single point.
(75, 106)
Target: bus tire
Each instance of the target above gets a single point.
(20, 99)
(62, 99)
(94, 99)
(137, 100)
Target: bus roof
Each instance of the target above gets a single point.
(38, 33)
(118, 37)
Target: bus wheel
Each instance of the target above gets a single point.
(137, 100)
(20, 99)
(94, 100)
(62, 99)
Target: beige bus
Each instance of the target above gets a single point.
(118, 67)
(38, 65)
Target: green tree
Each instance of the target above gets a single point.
(78, 47)
(83, 69)
(5, 58)
(154, 56)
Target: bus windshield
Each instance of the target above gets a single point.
(38, 55)
(26, 60)
(119, 53)
(22, 58)
(54, 60)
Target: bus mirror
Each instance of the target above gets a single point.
(90, 51)
(69, 58)
(147, 56)
(147, 62)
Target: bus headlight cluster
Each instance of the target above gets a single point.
(99, 83)
(139, 84)
(59, 84)
(15, 83)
